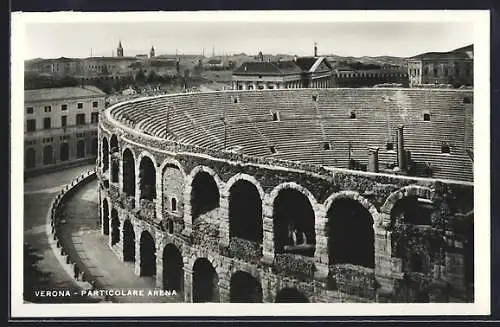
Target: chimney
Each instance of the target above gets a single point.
(373, 159)
(401, 150)
(315, 49)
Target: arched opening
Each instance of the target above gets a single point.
(173, 274)
(147, 179)
(291, 295)
(350, 233)
(205, 282)
(147, 255)
(128, 241)
(204, 194)
(105, 154)
(115, 158)
(64, 151)
(105, 217)
(245, 288)
(80, 149)
(47, 155)
(30, 159)
(174, 204)
(115, 227)
(128, 173)
(293, 227)
(245, 212)
(412, 210)
(93, 149)
(170, 226)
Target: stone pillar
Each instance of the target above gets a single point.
(188, 220)
(321, 252)
(401, 149)
(224, 289)
(120, 175)
(387, 268)
(454, 270)
(137, 266)
(137, 184)
(159, 194)
(224, 221)
(373, 159)
(159, 259)
(268, 234)
(188, 284)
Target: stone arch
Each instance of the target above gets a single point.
(172, 185)
(105, 217)
(128, 241)
(80, 149)
(246, 177)
(147, 176)
(173, 273)
(405, 205)
(245, 199)
(410, 190)
(48, 155)
(205, 186)
(245, 288)
(291, 295)
(147, 254)
(356, 197)
(294, 219)
(350, 230)
(30, 159)
(205, 281)
(115, 227)
(128, 171)
(105, 154)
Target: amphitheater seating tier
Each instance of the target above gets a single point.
(306, 124)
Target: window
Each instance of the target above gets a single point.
(276, 116)
(31, 125)
(327, 146)
(170, 226)
(47, 108)
(94, 117)
(272, 149)
(352, 115)
(427, 117)
(29, 110)
(389, 146)
(79, 105)
(445, 148)
(46, 123)
(80, 119)
(64, 121)
(95, 104)
(315, 98)
(64, 107)
(174, 204)
(235, 100)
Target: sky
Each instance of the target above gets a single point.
(403, 39)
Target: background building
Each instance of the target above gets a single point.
(453, 68)
(60, 126)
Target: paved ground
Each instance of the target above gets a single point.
(43, 271)
(82, 239)
(82, 236)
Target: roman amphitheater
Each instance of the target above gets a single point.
(293, 195)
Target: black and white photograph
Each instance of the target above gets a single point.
(332, 161)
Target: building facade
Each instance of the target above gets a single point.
(302, 72)
(60, 126)
(454, 68)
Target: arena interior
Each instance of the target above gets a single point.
(294, 195)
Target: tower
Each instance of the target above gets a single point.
(119, 50)
(315, 49)
(152, 52)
